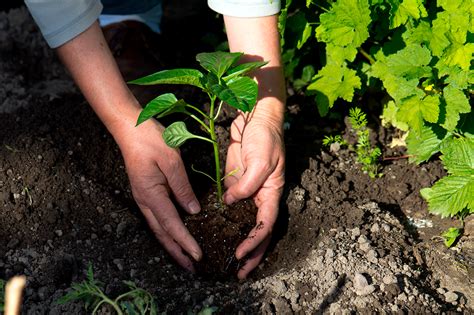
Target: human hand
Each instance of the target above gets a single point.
(256, 150)
(156, 171)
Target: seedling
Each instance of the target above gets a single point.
(135, 301)
(223, 81)
(366, 155)
(328, 140)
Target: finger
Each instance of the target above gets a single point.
(168, 243)
(157, 200)
(252, 179)
(254, 259)
(267, 202)
(179, 183)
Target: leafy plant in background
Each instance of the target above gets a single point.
(366, 155)
(224, 81)
(418, 52)
(135, 301)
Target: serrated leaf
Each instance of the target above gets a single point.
(218, 62)
(458, 157)
(243, 68)
(345, 24)
(174, 76)
(402, 11)
(455, 76)
(333, 82)
(450, 195)
(240, 92)
(161, 106)
(414, 111)
(456, 103)
(176, 134)
(389, 117)
(451, 235)
(424, 144)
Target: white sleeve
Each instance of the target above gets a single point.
(62, 20)
(245, 8)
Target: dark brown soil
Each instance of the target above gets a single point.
(344, 243)
(219, 230)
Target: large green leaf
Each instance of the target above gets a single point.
(458, 157)
(333, 82)
(176, 134)
(423, 145)
(414, 111)
(161, 106)
(456, 103)
(450, 195)
(218, 62)
(240, 92)
(243, 68)
(174, 76)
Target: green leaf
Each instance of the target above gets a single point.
(450, 195)
(389, 117)
(456, 103)
(174, 76)
(333, 82)
(161, 106)
(305, 35)
(402, 11)
(217, 62)
(240, 92)
(243, 68)
(176, 134)
(451, 235)
(458, 157)
(345, 24)
(414, 111)
(423, 145)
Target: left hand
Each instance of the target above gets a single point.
(256, 149)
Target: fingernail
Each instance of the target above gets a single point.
(196, 256)
(194, 207)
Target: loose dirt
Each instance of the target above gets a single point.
(344, 243)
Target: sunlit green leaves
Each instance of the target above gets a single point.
(176, 134)
(174, 76)
(451, 194)
(333, 82)
(402, 10)
(456, 103)
(217, 62)
(161, 106)
(243, 68)
(421, 146)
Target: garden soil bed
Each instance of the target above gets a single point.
(343, 242)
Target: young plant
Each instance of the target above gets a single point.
(135, 301)
(328, 140)
(366, 155)
(224, 80)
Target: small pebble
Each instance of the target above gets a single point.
(450, 297)
(59, 233)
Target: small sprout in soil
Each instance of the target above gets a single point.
(328, 140)
(366, 155)
(224, 80)
(134, 301)
(451, 235)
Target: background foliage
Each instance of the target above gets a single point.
(417, 52)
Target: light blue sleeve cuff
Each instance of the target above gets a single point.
(62, 20)
(245, 8)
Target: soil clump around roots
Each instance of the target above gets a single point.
(344, 243)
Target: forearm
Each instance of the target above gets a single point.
(259, 39)
(91, 64)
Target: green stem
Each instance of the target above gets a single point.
(367, 56)
(200, 122)
(216, 150)
(198, 110)
(219, 109)
(105, 299)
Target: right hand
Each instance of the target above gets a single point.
(155, 171)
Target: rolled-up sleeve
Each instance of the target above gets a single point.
(62, 20)
(245, 8)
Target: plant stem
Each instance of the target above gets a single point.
(216, 150)
(367, 56)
